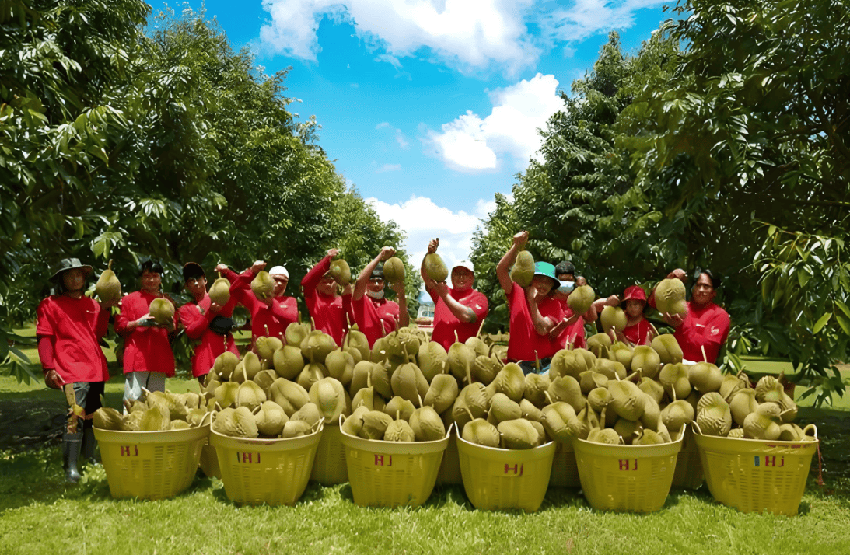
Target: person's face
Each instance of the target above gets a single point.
(543, 285)
(280, 282)
(151, 281)
(73, 280)
(462, 279)
(327, 286)
(196, 286)
(375, 284)
(703, 291)
(634, 308)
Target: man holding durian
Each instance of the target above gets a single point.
(701, 326)
(375, 315)
(460, 310)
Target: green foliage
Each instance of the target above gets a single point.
(117, 145)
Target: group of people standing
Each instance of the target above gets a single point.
(71, 325)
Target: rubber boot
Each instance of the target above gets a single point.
(90, 451)
(71, 445)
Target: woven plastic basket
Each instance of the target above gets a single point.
(209, 461)
(389, 474)
(449, 473)
(496, 479)
(564, 467)
(329, 468)
(271, 471)
(634, 478)
(150, 465)
(755, 475)
(688, 474)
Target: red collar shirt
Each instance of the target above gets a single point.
(524, 343)
(266, 320)
(74, 327)
(195, 317)
(704, 328)
(146, 348)
(328, 312)
(375, 317)
(446, 324)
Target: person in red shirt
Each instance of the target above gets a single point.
(330, 312)
(69, 327)
(269, 317)
(207, 324)
(703, 329)
(459, 311)
(536, 317)
(148, 358)
(376, 316)
(573, 334)
(638, 330)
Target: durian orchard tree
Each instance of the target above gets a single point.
(118, 145)
(750, 141)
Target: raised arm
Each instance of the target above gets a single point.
(363, 278)
(504, 266)
(403, 315)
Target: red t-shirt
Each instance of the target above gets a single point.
(74, 327)
(707, 327)
(375, 317)
(328, 312)
(524, 343)
(195, 317)
(146, 348)
(266, 320)
(574, 334)
(639, 334)
(446, 323)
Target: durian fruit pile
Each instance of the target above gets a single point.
(282, 390)
(156, 412)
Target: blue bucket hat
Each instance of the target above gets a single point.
(546, 269)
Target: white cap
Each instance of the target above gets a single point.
(464, 264)
(279, 271)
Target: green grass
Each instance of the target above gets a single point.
(40, 515)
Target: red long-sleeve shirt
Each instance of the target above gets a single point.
(146, 348)
(446, 323)
(375, 317)
(524, 343)
(73, 328)
(195, 317)
(706, 327)
(266, 320)
(328, 312)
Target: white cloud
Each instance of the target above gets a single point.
(508, 34)
(388, 168)
(461, 32)
(470, 143)
(399, 136)
(589, 17)
(422, 220)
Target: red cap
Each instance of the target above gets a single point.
(634, 293)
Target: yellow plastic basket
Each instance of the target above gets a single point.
(689, 474)
(272, 471)
(150, 465)
(564, 467)
(209, 461)
(449, 473)
(329, 468)
(755, 475)
(496, 479)
(634, 478)
(389, 474)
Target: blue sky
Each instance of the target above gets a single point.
(431, 107)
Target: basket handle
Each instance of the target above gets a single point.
(695, 427)
(812, 427)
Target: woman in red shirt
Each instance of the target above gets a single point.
(148, 358)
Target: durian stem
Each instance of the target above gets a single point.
(704, 358)
(548, 397)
